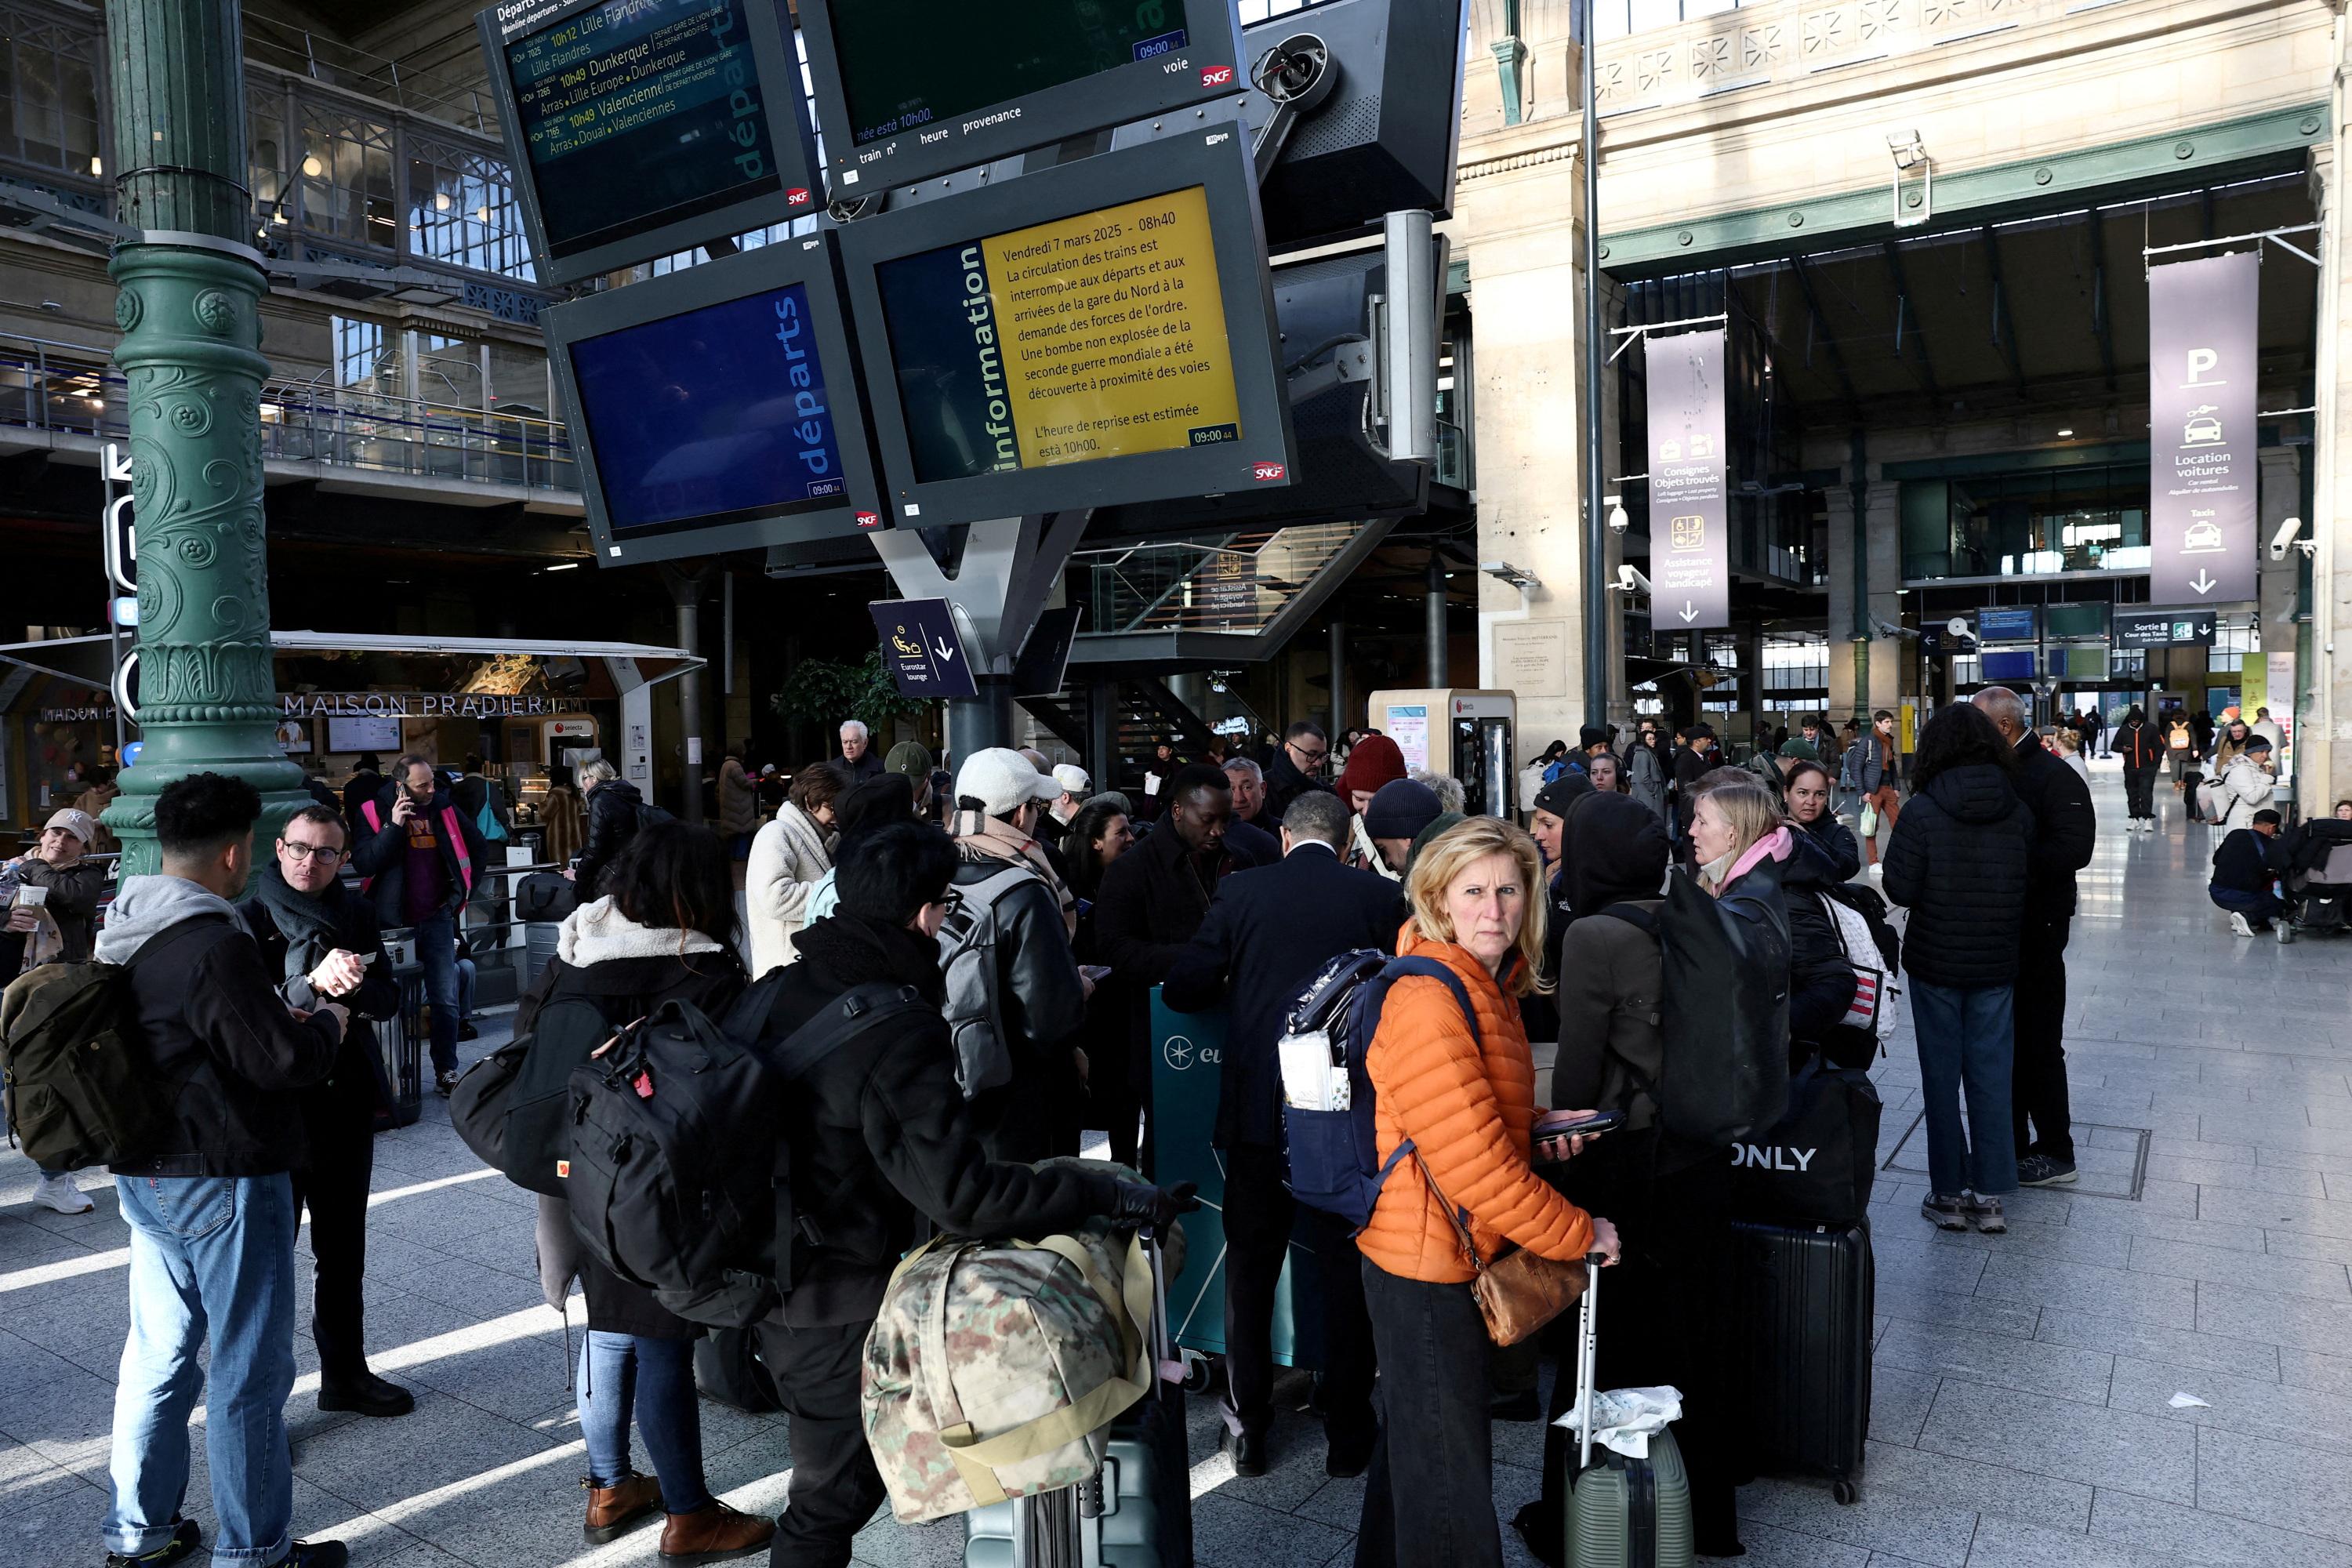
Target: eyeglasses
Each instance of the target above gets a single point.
(305, 851)
(1312, 756)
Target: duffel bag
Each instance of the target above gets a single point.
(995, 1369)
(1816, 1165)
(545, 896)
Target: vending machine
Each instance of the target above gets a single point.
(1465, 734)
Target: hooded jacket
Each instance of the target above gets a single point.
(1611, 975)
(881, 1143)
(381, 855)
(627, 969)
(1960, 860)
(2243, 789)
(616, 809)
(217, 1031)
(739, 800)
(2139, 744)
(1467, 1103)
(790, 855)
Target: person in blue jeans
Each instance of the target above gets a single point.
(210, 1206)
(419, 860)
(1957, 859)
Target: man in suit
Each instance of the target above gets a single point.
(1268, 934)
(2065, 830)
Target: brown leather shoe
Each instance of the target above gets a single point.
(615, 1510)
(713, 1534)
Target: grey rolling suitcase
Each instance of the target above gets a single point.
(1137, 1511)
(1622, 1512)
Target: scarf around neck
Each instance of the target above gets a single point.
(307, 922)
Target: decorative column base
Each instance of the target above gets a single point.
(207, 700)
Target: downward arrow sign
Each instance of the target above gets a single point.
(1689, 615)
(943, 649)
(2204, 585)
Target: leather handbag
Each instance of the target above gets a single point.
(1520, 1291)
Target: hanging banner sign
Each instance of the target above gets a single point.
(1690, 561)
(2202, 372)
(2163, 628)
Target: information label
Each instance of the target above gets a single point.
(640, 112)
(920, 644)
(2203, 368)
(1690, 557)
(1095, 336)
(2163, 628)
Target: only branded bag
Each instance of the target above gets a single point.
(974, 1009)
(1724, 1010)
(1326, 1093)
(994, 1370)
(660, 1183)
(1816, 1167)
(82, 1086)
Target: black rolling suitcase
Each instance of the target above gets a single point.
(1802, 1307)
(400, 1058)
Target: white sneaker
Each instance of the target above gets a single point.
(60, 1193)
(2238, 923)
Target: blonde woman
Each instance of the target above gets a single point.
(1464, 1097)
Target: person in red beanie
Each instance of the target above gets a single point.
(1375, 761)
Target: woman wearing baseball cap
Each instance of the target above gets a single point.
(56, 923)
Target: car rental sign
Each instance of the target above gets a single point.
(2202, 372)
(1690, 564)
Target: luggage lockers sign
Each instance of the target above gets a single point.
(2202, 373)
(1690, 564)
(641, 127)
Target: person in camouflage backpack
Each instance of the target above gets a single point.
(881, 1144)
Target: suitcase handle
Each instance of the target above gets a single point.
(1593, 1264)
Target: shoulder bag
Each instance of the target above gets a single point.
(1520, 1290)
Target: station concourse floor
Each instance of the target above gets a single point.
(2025, 1387)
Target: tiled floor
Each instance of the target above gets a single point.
(2024, 1414)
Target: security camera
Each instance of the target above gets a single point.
(1618, 521)
(1630, 579)
(2284, 538)
(1887, 629)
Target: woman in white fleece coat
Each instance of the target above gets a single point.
(789, 857)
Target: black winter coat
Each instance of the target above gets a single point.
(1270, 930)
(1837, 840)
(1820, 979)
(2139, 745)
(2247, 862)
(1044, 1015)
(624, 990)
(343, 1105)
(382, 857)
(2065, 831)
(880, 1143)
(615, 812)
(236, 1057)
(1284, 783)
(1959, 860)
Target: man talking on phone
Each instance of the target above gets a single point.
(319, 942)
(421, 858)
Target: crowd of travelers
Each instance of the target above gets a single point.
(1027, 922)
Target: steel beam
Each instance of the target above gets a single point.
(1822, 333)
(2004, 328)
(1894, 253)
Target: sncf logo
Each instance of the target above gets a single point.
(1217, 76)
(868, 519)
(1266, 473)
(798, 197)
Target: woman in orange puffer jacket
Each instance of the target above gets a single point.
(1467, 1103)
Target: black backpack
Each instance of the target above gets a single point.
(513, 1108)
(679, 1178)
(1724, 1011)
(82, 1086)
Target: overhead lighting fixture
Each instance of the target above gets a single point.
(97, 164)
(2064, 433)
(312, 167)
(563, 566)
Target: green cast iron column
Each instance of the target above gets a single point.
(191, 351)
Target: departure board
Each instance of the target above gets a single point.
(909, 89)
(634, 119)
(1098, 331)
(1087, 338)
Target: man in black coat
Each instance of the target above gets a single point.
(883, 1153)
(1268, 934)
(1296, 769)
(2065, 830)
(420, 860)
(323, 942)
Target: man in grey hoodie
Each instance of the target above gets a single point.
(211, 1208)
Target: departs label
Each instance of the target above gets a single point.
(1096, 336)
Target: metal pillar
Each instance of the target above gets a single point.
(1596, 542)
(1338, 679)
(191, 353)
(1102, 732)
(978, 722)
(686, 591)
(1433, 605)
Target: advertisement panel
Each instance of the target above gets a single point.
(2201, 381)
(1690, 558)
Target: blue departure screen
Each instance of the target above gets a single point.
(716, 415)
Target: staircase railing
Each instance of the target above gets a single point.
(1238, 584)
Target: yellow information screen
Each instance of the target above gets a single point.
(1093, 336)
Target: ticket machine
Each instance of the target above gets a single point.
(1467, 734)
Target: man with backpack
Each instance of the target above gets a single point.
(419, 860)
(1015, 1001)
(209, 1205)
(880, 1148)
(1269, 932)
(323, 942)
